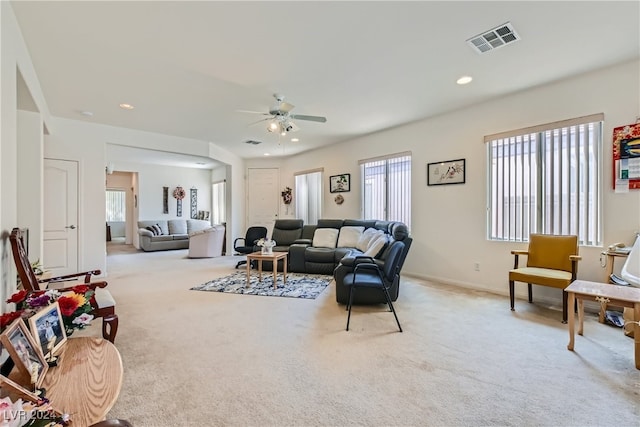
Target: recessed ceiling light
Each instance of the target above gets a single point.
(464, 80)
(267, 154)
(200, 163)
(86, 113)
(127, 106)
(294, 140)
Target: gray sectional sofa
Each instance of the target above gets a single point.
(174, 233)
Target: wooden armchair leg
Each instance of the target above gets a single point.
(110, 327)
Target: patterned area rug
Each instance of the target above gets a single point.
(298, 285)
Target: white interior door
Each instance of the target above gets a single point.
(60, 233)
(263, 197)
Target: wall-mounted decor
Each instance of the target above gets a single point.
(203, 215)
(449, 172)
(165, 200)
(179, 194)
(194, 203)
(626, 156)
(338, 199)
(340, 183)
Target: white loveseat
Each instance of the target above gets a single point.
(173, 234)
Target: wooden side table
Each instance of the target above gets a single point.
(87, 381)
(622, 296)
(275, 256)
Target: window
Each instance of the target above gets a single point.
(546, 179)
(116, 205)
(308, 196)
(219, 203)
(386, 188)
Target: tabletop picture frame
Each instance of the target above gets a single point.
(24, 351)
(47, 329)
(447, 172)
(340, 183)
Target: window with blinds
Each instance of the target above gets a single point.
(116, 205)
(386, 188)
(546, 179)
(308, 196)
(219, 214)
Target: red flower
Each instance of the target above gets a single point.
(67, 305)
(7, 318)
(81, 289)
(18, 296)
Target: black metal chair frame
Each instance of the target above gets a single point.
(376, 277)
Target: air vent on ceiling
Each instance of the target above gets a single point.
(494, 38)
(253, 142)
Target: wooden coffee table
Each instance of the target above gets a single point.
(275, 256)
(620, 296)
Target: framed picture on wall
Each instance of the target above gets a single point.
(340, 183)
(447, 172)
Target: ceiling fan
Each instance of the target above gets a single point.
(280, 117)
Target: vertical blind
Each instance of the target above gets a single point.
(386, 191)
(308, 196)
(219, 202)
(546, 179)
(116, 205)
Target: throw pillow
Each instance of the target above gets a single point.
(349, 236)
(158, 230)
(377, 246)
(325, 238)
(152, 230)
(367, 236)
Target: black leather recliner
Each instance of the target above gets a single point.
(285, 233)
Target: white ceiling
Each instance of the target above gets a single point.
(188, 67)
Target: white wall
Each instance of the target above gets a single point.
(14, 57)
(448, 222)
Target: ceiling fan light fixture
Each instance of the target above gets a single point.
(273, 126)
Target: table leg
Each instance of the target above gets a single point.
(248, 273)
(636, 332)
(580, 315)
(571, 303)
(284, 273)
(260, 269)
(275, 273)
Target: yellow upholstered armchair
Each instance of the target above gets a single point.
(551, 261)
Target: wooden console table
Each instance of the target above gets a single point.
(87, 380)
(622, 296)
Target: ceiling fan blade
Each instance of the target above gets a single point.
(285, 107)
(310, 118)
(253, 112)
(259, 121)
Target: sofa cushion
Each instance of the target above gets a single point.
(319, 255)
(194, 225)
(162, 238)
(377, 246)
(180, 236)
(349, 236)
(325, 238)
(177, 226)
(154, 230)
(366, 237)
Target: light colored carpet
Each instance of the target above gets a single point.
(212, 359)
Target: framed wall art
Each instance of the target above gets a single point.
(626, 156)
(340, 183)
(47, 329)
(193, 197)
(24, 351)
(448, 172)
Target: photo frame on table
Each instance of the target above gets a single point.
(24, 351)
(340, 183)
(8, 385)
(447, 172)
(48, 329)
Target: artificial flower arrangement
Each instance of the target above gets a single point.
(75, 306)
(21, 413)
(266, 245)
(287, 196)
